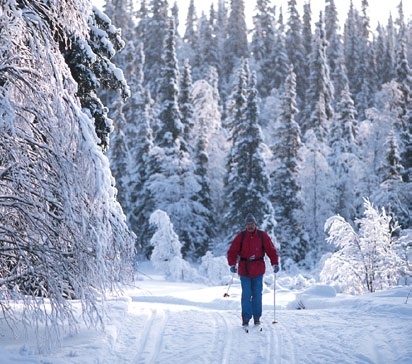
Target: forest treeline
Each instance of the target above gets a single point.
(295, 120)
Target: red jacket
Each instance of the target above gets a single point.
(251, 249)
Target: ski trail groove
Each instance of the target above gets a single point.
(150, 343)
(227, 341)
(286, 344)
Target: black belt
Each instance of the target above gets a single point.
(248, 260)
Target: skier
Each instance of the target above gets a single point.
(249, 248)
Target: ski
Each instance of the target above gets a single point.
(259, 327)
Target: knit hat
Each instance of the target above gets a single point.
(250, 218)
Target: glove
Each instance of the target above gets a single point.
(233, 269)
(275, 268)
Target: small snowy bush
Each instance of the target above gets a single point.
(166, 256)
(214, 270)
(365, 260)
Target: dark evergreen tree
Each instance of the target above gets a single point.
(140, 144)
(169, 134)
(363, 77)
(118, 155)
(263, 42)
(172, 184)
(186, 104)
(296, 52)
(191, 46)
(208, 45)
(384, 49)
(320, 90)
(120, 13)
(191, 36)
(236, 43)
(175, 15)
(307, 37)
(136, 139)
(392, 167)
(334, 50)
(278, 61)
(142, 19)
(344, 157)
(247, 183)
(404, 124)
(350, 45)
(155, 30)
(94, 69)
(220, 31)
(393, 194)
(286, 195)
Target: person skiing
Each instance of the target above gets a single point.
(248, 248)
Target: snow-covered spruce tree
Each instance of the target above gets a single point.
(359, 58)
(320, 89)
(307, 36)
(62, 233)
(334, 51)
(211, 139)
(296, 51)
(172, 183)
(191, 36)
(186, 104)
(190, 47)
(384, 47)
(315, 176)
(236, 43)
(394, 194)
(247, 183)
(263, 41)
(373, 134)
(344, 156)
(285, 195)
(219, 30)
(142, 19)
(209, 57)
(118, 154)
(278, 61)
(166, 255)
(122, 17)
(90, 66)
(404, 125)
(154, 34)
(197, 135)
(367, 259)
(121, 13)
(136, 137)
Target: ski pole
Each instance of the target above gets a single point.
(274, 300)
(228, 287)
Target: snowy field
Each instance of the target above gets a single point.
(182, 323)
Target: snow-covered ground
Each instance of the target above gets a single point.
(183, 323)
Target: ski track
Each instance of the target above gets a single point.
(152, 337)
(188, 333)
(157, 334)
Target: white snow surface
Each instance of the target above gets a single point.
(158, 321)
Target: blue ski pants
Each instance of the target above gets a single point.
(251, 297)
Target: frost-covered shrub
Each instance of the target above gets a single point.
(181, 270)
(214, 269)
(365, 260)
(166, 256)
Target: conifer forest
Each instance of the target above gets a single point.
(299, 119)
